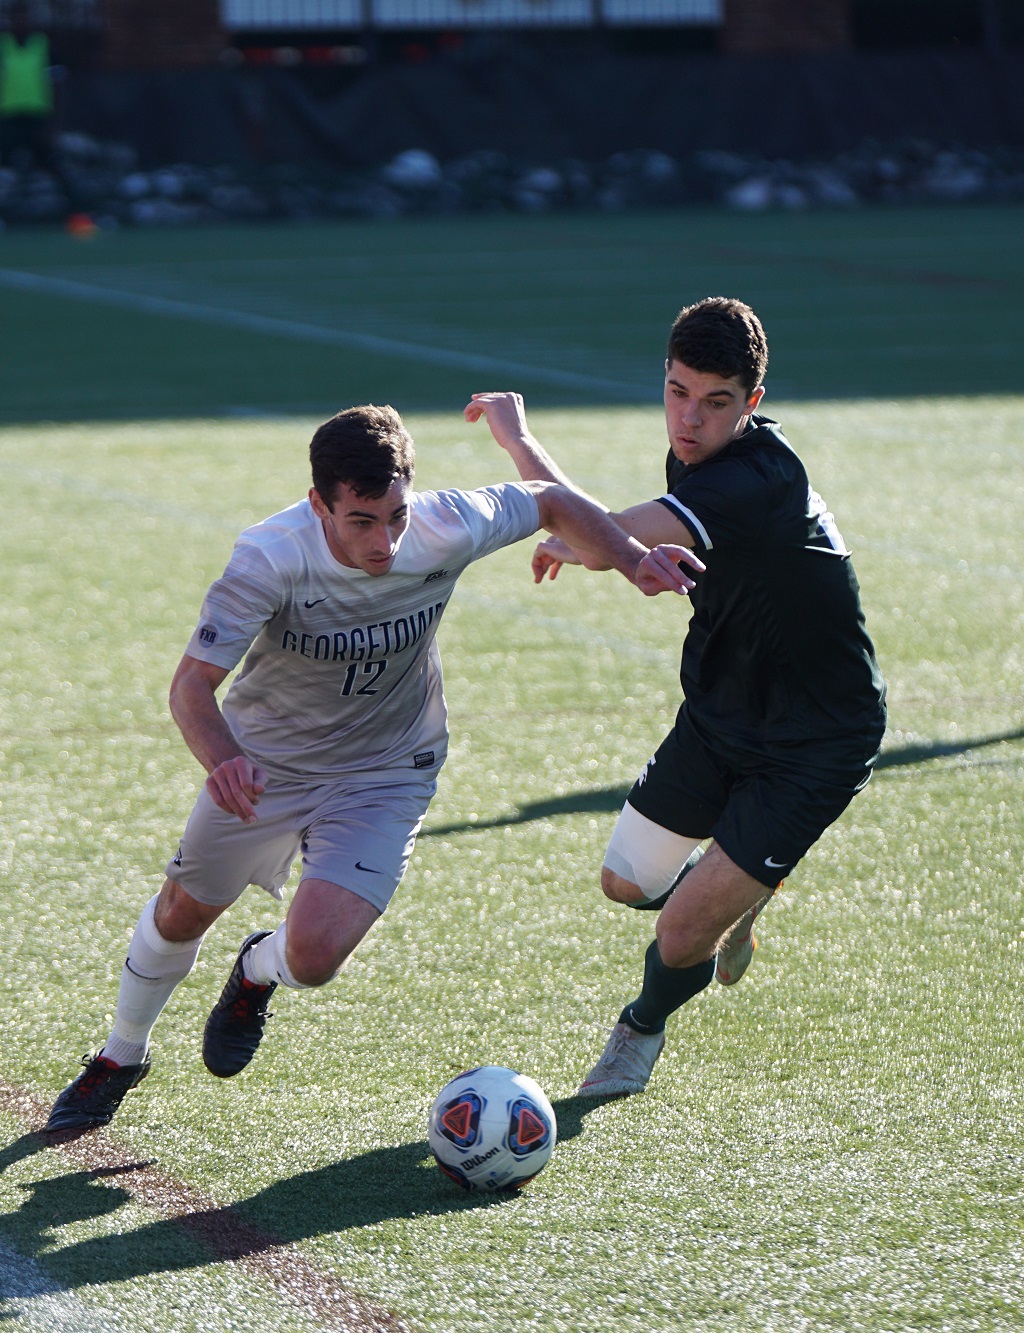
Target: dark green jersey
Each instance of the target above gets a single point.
(777, 653)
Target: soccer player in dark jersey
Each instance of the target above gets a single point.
(784, 705)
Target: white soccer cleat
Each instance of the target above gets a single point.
(735, 953)
(626, 1064)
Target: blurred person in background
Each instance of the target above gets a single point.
(27, 105)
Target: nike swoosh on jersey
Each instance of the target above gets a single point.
(775, 865)
(369, 869)
(316, 603)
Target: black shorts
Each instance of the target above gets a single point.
(764, 814)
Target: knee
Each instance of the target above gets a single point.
(682, 943)
(312, 962)
(310, 974)
(324, 927)
(619, 890)
(179, 917)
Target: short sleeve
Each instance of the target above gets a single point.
(496, 516)
(722, 503)
(236, 607)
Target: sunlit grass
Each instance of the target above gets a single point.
(834, 1145)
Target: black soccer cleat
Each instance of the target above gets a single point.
(235, 1027)
(95, 1095)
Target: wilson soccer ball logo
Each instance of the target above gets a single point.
(491, 1128)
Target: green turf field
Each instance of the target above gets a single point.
(833, 1145)
(572, 309)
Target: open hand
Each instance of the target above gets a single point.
(505, 413)
(659, 570)
(549, 557)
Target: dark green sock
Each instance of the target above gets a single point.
(665, 990)
(656, 904)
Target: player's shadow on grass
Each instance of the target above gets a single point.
(609, 800)
(920, 754)
(20, 1148)
(597, 801)
(382, 1185)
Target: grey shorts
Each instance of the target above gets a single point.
(359, 833)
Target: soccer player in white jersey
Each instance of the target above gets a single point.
(330, 738)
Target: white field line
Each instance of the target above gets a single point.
(303, 331)
(30, 1300)
(573, 631)
(47, 478)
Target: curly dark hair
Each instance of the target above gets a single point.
(367, 448)
(720, 336)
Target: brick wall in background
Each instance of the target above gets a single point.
(143, 34)
(785, 27)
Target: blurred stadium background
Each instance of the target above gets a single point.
(192, 111)
(841, 1148)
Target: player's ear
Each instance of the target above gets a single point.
(317, 501)
(755, 399)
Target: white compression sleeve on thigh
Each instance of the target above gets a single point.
(153, 968)
(265, 963)
(645, 853)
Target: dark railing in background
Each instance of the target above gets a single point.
(370, 15)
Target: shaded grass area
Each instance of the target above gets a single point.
(874, 303)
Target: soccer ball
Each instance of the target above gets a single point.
(491, 1129)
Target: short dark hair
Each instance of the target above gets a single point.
(721, 336)
(367, 448)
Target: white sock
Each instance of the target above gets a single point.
(265, 963)
(153, 968)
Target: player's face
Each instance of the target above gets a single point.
(363, 533)
(703, 411)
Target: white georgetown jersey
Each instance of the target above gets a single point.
(342, 671)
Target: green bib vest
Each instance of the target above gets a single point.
(25, 88)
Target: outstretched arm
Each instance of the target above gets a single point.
(234, 781)
(651, 523)
(577, 537)
(585, 526)
(506, 415)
